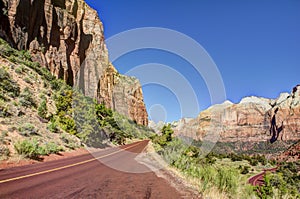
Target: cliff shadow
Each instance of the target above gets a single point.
(5, 31)
(275, 130)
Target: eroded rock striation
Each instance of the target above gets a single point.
(66, 36)
(252, 120)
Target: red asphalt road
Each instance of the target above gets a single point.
(85, 177)
(258, 179)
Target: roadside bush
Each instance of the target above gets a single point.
(49, 148)
(53, 148)
(27, 148)
(69, 141)
(31, 149)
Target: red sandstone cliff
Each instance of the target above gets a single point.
(66, 36)
(252, 120)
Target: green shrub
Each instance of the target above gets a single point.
(4, 133)
(27, 148)
(31, 148)
(27, 80)
(253, 162)
(244, 169)
(53, 127)
(69, 141)
(42, 109)
(228, 180)
(7, 85)
(2, 137)
(51, 147)
(5, 110)
(166, 136)
(26, 98)
(28, 130)
(4, 151)
(67, 123)
(56, 84)
(20, 70)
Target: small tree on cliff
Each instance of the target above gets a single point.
(165, 137)
(167, 132)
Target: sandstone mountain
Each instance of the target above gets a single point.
(66, 36)
(253, 120)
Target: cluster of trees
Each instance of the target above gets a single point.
(284, 183)
(75, 114)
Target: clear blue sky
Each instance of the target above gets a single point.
(255, 44)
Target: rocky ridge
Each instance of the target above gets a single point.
(252, 120)
(66, 36)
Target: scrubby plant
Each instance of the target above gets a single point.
(27, 148)
(4, 152)
(7, 85)
(32, 149)
(28, 130)
(52, 126)
(5, 110)
(26, 98)
(4, 133)
(27, 80)
(70, 142)
(49, 148)
(228, 180)
(56, 84)
(244, 169)
(42, 109)
(20, 69)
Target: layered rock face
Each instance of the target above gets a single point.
(66, 36)
(252, 120)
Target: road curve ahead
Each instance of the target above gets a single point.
(86, 177)
(258, 180)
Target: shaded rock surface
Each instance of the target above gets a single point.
(66, 36)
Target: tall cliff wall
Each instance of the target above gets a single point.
(252, 120)
(66, 36)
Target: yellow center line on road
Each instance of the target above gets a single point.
(64, 167)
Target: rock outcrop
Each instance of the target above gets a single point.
(252, 120)
(66, 36)
(292, 154)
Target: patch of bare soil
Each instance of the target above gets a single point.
(19, 161)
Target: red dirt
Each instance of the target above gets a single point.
(15, 163)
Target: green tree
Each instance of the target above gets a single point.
(167, 132)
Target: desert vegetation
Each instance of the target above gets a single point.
(44, 115)
(224, 175)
